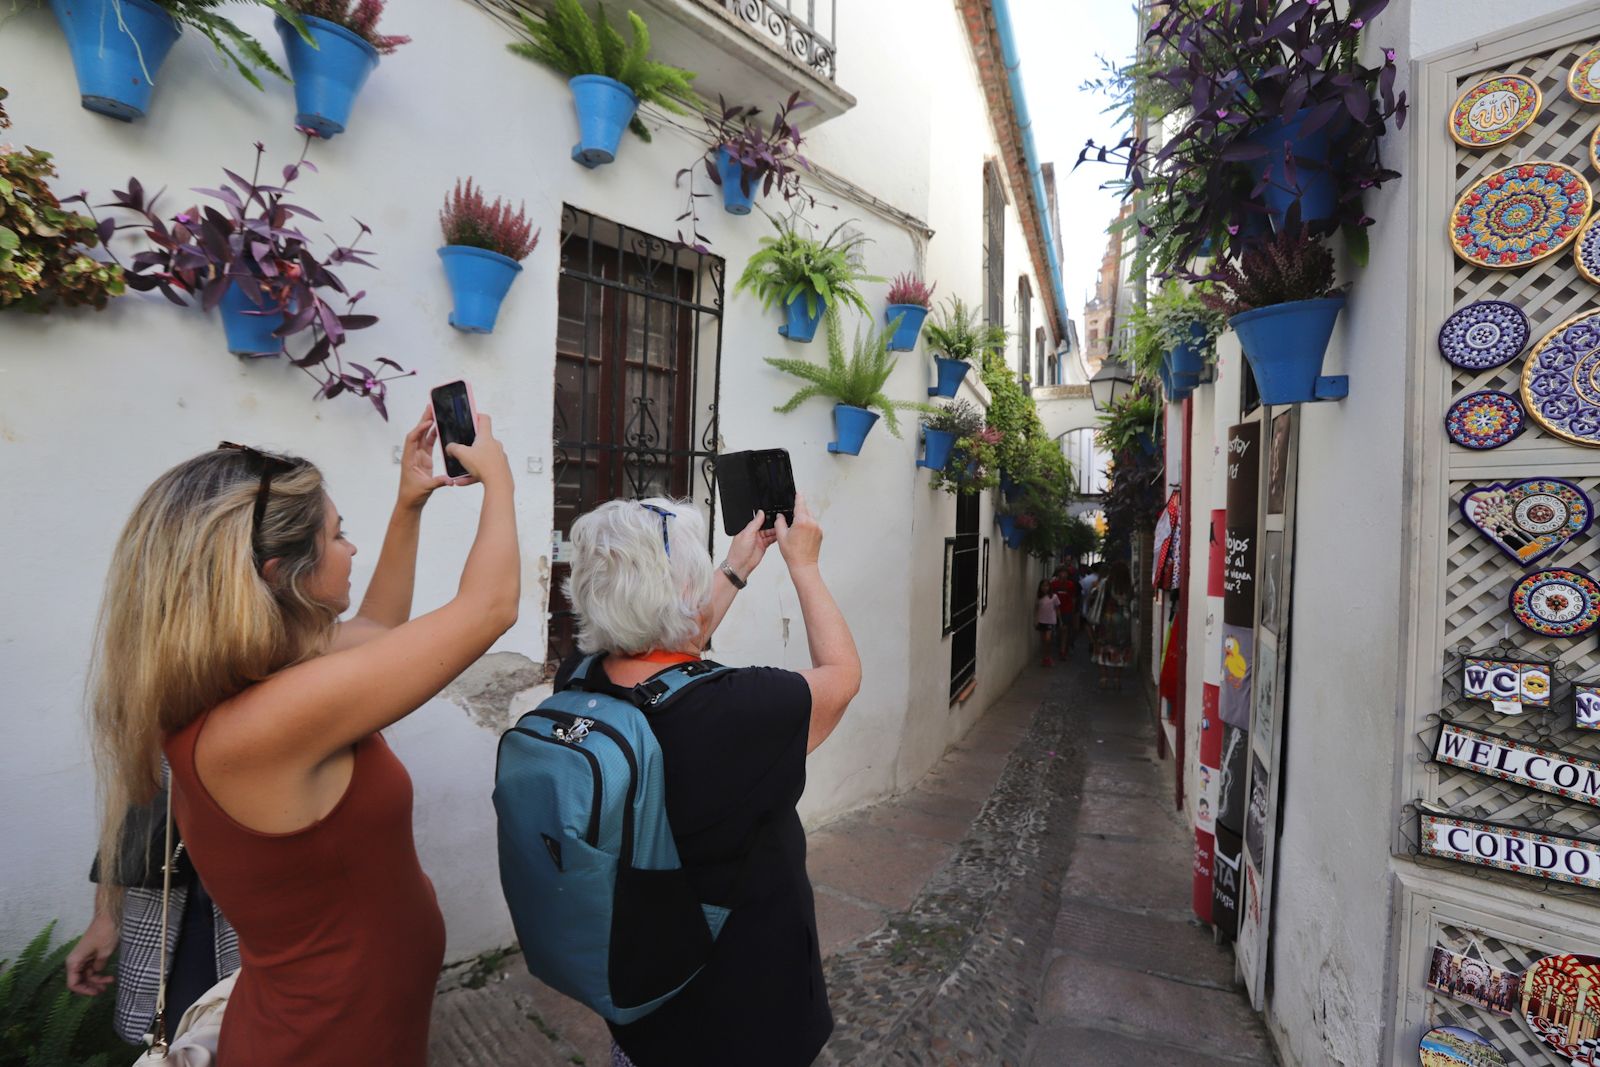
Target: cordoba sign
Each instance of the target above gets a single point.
(1508, 848)
(1566, 776)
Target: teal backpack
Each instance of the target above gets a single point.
(604, 910)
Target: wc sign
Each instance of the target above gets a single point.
(1506, 684)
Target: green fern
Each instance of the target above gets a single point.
(857, 381)
(958, 333)
(242, 51)
(792, 265)
(42, 1024)
(571, 43)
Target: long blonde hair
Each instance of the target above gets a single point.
(188, 620)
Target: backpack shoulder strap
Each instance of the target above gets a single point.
(655, 693)
(579, 677)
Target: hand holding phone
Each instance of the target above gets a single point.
(748, 482)
(455, 417)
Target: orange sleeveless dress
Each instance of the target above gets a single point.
(340, 934)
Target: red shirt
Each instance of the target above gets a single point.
(1066, 591)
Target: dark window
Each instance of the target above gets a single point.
(1024, 323)
(962, 580)
(638, 365)
(994, 246)
(1038, 357)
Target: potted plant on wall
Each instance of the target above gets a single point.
(1282, 302)
(855, 383)
(910, 299)
(807, 276)
(609, 77)
(117, 46)
(959, 339)
(44, 257)
(948, 424)
(1174, 335)
(746, 157)
(483, 252)
(332, 60)
(248, 260)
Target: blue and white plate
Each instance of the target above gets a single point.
(1484, 335)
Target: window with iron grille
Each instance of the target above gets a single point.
(1038, 358)
(962, 577)
(1024, 322)
(638, 368)
(994, 246)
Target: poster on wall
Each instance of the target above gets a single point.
(1205, 805)
(1255, 816)
(1473, 981)
(1238, 652)
(1272, 598)
(1266, 703)
(1205, 844)
(1244, 483)
(1226, 884)
(1278, 464)
(1231, 790)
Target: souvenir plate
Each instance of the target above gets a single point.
(1586, 250)
(1560, 1001)
(1483, 420)
(1594, 148)
(1519, 215)
(1561, 380)
(1494, 111)
(1583, 80)
(1483, 335)
(1530, 519)
(1557, 603)
(1453, 1046)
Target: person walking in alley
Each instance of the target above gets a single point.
(647, 597)
(221, 646)
(1113, 643)
(1044, 620)
(1065, 588)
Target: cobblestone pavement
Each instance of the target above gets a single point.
(1026, 903)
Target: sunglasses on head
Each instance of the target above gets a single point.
(267, 465)
(666, 543)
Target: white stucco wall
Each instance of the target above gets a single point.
(93, 407)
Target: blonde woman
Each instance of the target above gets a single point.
(222, 647)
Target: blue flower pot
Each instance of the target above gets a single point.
(937, 446)
(850, 425)
(1008, 529)
(911, 316)
(951, 373)
(479, 280)
(1285, 344)
(802, 324)
(1314, 187)
(1187, 362)
(1009, 488)
(328, 77)
(734, 197)
(1176, 386)
(116, 62)
(605, 107)
(249, 331)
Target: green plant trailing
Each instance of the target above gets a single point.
(960, 417)
(44, 248)
(571, 43)
(973, 466)
(1292, 266)
(43, 1024)
(857, 381)
(793, 265)
(1130, 431)
(1132, 424)
(242, 51)
(956, 331)
(1012, 412)
(1176, 315)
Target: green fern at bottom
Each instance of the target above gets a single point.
(43, 1024)
(858, 381)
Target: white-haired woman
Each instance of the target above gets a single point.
(222, 648)
(646, 594)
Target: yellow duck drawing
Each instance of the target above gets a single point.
(1233, 662)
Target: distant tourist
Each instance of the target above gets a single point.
(1044, 620)
(1113, 640)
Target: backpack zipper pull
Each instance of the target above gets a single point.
(574, 734)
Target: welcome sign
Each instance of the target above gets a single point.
(1485, 844)
(1566, 776)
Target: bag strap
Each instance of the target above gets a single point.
(157, 1038)
(657, 691)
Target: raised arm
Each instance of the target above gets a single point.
(835, 674)
(744, 556)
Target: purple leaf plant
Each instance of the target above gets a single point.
(768, 154)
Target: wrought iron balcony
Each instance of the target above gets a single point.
(805, 29)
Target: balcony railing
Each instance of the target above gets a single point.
(805, 29)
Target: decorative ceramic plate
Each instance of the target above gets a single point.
(1519, 215)
(1530, 519)
(1484, 420)
(1447, 1046)
(1583, 80)
(1557, 603)
(1586, 249)
(1494, 111)
(1561, 380)
(1594, 148)
(1560, 1002)
(1482, 335)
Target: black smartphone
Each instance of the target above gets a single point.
(748, 482)
(456, 419)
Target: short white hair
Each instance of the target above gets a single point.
(629, 594)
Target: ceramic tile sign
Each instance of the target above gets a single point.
(1453, 1046)
(1494, 111)
(1473, 981)
(1511, 687)
(1586, 712)
(1567, 776)
(1546, 856)
(1560, 1002)
(1529, 519)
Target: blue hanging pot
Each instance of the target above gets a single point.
(937, 446)
(479, 280)
(1176, 386)
(605, 107)
(951, 374)
(1008, 528)
(1285, 344)
(1009, 488)
(327, 77)
(802, 324)
(117, 47)
(1187, 362)
(904, 338)
(735, 198)
(249, 331)
(850, 425)
(1314, 186)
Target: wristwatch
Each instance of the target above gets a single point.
(738, 582)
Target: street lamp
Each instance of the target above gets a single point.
(1111, 384)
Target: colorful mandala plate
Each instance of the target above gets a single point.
(1494, 111)
(1519, 215)
(1557, 603)
(1484, 420)
(1594, 148)
(1586, 250)
(1489, 333)
(1530, 519)
(1561, 380)
(1583, 80)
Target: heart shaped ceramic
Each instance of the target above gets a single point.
(1530, 519)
